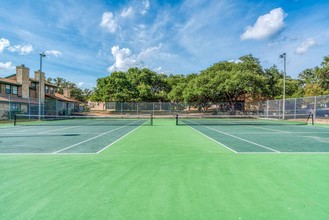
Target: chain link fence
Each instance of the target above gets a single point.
(11, 105)
(293, 109)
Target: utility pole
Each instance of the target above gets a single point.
(284, 85)
(40, 91)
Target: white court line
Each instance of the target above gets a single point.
(50, 153)
(60, 129)
(214, 140)
(270, 129)
(117, 140)
(242, 139)
(43, 134)
(102, 134)
(294, 152)
(66, 128)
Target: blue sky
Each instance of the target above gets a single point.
(85, 40)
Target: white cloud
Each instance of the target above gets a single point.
(305, 46)
(108, 22)
(6, 66)
(234, 61)
(266, 25)
(148, 51)
(23, 49)
(80, 84)
(3, 44)
(146, 7)
(125, 59)
(127, 12)
(53, 53)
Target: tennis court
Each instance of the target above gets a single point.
(65, 135)
(246, 135)
(162, 171)
(77, 135)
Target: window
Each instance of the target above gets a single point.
(8, 89)
(51, 90)
(15, 90)
(46, 89)
(15, 106)
(33, 85)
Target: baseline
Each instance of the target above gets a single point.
(97, 136)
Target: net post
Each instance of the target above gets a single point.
(151, 119)
(176, 119)
(312, 119)
(15, 117)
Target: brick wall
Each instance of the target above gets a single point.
(22, 76)
(37, 75)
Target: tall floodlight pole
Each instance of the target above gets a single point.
(40, 91)
(284, 84)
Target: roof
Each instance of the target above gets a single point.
(8, 99)
(61, 97)
(11, 75)
(10, 81)
(46, 83)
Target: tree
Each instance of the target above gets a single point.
(308, 76)
(178, 83)
(200, 91)
(323, 73)
(135, 85)
(272, 86)
(61, 83)
(227, 81)
(313, 89)
(316, 81)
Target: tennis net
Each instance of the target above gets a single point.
(232, 120)
(60, 120)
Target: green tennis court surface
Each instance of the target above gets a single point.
(65, 136)
(267, 138)
(169, 172)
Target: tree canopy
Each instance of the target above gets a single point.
(76, 92)
(222, 82)
(134, 85)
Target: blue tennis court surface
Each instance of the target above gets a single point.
(268, 138)
(63, 139)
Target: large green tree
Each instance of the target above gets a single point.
(135, 85)
(315, 81)
(228, 82)
(323, 73)
(224, 81)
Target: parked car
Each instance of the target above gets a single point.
(322, 113)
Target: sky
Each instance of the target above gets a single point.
(85, 40)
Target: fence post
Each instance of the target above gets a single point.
(267, 107)
(56, 106)
(29, 107)
(170, 108)
(9, 110)
(153, 108)
(280, 108)
(314, 109)
(295, 108)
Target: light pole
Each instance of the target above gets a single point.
(41, 56)
(284, 84)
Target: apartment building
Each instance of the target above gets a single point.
(19, 93)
